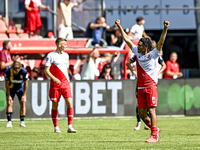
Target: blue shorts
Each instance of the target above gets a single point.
(19, 94)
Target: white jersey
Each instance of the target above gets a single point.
(59, 64)
(137, 30)
(147, 70)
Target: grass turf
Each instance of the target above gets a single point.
(101, 133)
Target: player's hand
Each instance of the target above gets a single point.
(57, 81)
(23, 98)
(9, 99)
(166, 23)
(117, 22)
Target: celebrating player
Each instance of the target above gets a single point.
(163, 67)
(147, 77)
(16, 81)
(57, 63)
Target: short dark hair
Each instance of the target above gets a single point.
(147, 43)
(5, 43)
(139, 19)
(58, 40)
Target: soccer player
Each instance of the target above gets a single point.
(147, 77)
(163, 67)
(16, 81)
(56, 68)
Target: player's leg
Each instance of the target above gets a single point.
(152, 100)
(138, 125)
(54, 96)
(9, 109)
(70, 110)
(142, 105)
(70, 115)
(22, 104)
(145, 126)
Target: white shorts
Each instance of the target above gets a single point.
(65, 32)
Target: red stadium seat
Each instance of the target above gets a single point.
(24, 36)
(3, 36)
(13, 36)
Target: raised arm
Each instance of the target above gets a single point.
(163, 35)
(124, 35)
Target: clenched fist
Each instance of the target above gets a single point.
(166, 23)
(117, 22)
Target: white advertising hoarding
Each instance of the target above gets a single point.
(179, 19)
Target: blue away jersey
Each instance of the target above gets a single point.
(16, 81)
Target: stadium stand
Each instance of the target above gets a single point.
(13, 36)
(3, 35)
(24, 35)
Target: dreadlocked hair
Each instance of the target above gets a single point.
(147, 43)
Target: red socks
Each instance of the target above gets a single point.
(54, 116)
(153, 130)
(149, 125)
(70, 115)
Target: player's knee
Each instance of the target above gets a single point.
(54, 105)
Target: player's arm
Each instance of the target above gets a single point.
(162, 68)
(163, 35)
(124, 35)
(49, 74)
(128, 64)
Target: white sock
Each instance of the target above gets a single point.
(56, 127)
(69, 126)
(9, 122)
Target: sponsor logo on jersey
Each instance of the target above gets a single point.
(53, 98)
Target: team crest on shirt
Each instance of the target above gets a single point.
(148, 56)
(153, 99)
(21, 76)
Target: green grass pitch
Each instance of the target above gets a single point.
(101, 133)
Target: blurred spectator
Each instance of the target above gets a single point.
(34, 73)
(95, 30)
(137, 30)
(65, 18)
(5, 58)
(33, 21)
(90, 65)
(173, 70)
(41, 73)
(116, 39)
(73, 76)
(107, 72)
